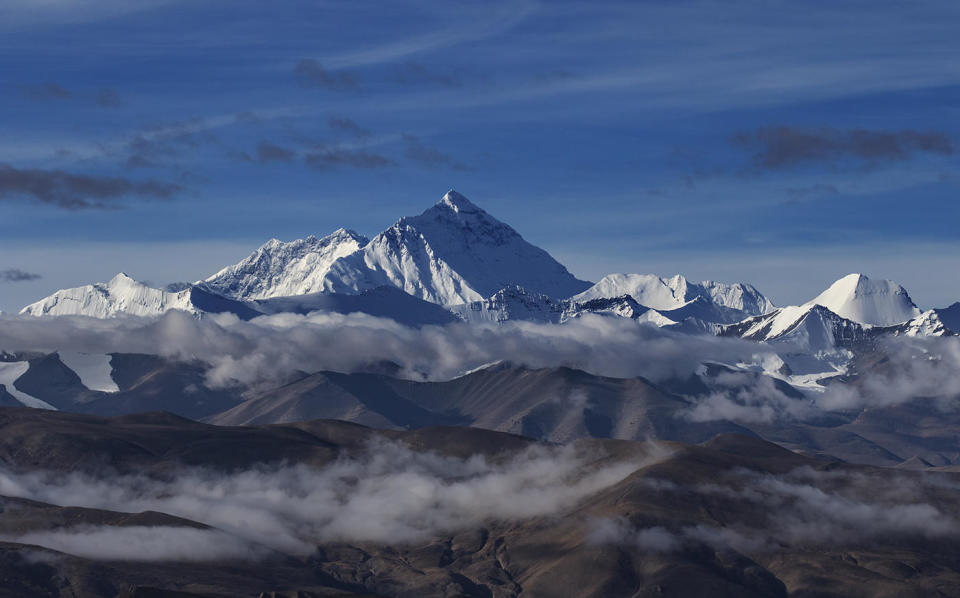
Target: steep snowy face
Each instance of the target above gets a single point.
(280, 269)
(812, 328)
(665, 294)
(517, 304)
(874, 302)
(623, 307)
(928, 323)
(122, 295)
(509, 304)
(453, 253)
(646, 289)
(950, 316)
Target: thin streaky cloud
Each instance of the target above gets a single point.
(394, 51)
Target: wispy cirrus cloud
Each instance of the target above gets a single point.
(335, 157)
(488, 24)
(347, 125)
(109, 98)
(311, 73)
(414, 73)
(271, 152)
(417, 151)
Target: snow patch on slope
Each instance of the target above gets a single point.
(9, 373)
(93, 369)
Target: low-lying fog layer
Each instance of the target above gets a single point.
(268, 349)
(805, 508)
(388, 494)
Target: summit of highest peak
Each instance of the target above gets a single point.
(122, 278)
(457, 202)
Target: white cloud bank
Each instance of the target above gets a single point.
(388, 494)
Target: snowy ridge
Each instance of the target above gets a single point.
(812, 328)
(929, 323)
(511, 303)
(278, 269)
(122, 295)
(663, 294)
(950, 317)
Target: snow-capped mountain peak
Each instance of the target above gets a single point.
(452, 253)
(867, 301)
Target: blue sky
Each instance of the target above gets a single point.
(780, 143)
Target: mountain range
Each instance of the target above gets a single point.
(456, 263)
(183, 444)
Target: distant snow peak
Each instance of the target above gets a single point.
(874, 302)
(926, 324)
(812, 328)
(509, 304)
(676, 292)
(122, 295)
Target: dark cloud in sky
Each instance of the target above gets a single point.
(347, 125)
(270, 152)
(46, 91)
(163, 144)
(109, 98)
(779, 147)
(414, 73)
(426, 155)
(311, 73)
(332, 158)
(77, 191)
(17, 275)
